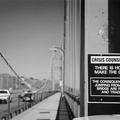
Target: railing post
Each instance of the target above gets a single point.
(30, 100)
(18, 104)
(25, 105)
(8, 107)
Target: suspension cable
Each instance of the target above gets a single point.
(10, 66)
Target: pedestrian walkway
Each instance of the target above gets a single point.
(45, 110)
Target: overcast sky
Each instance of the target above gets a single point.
(28, 29)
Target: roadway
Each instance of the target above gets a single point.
(18, 106)
(14, 105)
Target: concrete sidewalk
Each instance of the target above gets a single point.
(46, 109)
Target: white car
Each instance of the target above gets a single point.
(5, 96)
(100, 117)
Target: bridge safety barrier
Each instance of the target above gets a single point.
(74, 103)
(12, 112)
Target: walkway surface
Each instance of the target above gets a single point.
(45, 110)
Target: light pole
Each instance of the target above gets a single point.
(52, 70)
(59, 49)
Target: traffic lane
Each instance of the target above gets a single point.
(14, 105)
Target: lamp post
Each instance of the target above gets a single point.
(59, 49)
(52, 70)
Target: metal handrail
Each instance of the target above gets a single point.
(75, 98)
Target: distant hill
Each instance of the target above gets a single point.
(36, 83)
(9, 81)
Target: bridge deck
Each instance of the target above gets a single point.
(45, 110)
(52, 108)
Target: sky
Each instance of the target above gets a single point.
(28, 29)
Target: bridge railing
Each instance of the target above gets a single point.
(14, 111)
(74, 103)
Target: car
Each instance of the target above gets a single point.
(100, 117)
(5, 96)
(29, 97)
(21, 96)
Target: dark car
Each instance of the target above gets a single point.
(28, 97)
(21, 96)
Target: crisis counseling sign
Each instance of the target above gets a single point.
(104, 78)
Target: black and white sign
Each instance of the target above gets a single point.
(104, 77)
